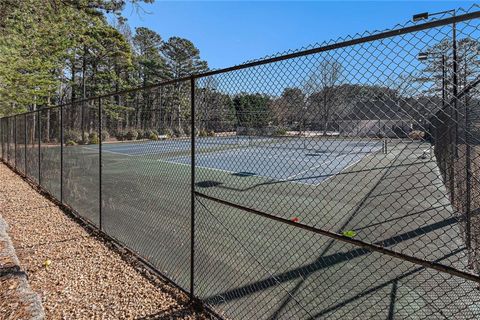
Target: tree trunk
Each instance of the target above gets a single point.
(73, 96)
(84, 93)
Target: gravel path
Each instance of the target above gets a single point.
(86, 279)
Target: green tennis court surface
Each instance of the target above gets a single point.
(242, 259)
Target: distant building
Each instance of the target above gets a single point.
(385, 118)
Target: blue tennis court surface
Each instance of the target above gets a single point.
(280, 160)
(280, 165)
(166, 146)
(145, 148)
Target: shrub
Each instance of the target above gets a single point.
(131, 134)
(92, 135)
(93, 138)
(211, 133)
(153, 136)
(140, 134)
(105, 135)
(120, 135)
(147, 133)
(178, 132)
(72, 135)
(279, 132)
(70, 143)
(169, 133)
(203, 133)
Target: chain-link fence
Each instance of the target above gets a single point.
(341, 181)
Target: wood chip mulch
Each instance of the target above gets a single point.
(85, 278)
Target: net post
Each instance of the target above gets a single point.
(192, 187)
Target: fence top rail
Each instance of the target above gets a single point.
(324, 48)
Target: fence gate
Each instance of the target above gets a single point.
(337, 182)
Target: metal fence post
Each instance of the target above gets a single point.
(469, 197)
(8, 138)
(100, 162)
(39, 153)
(1, 137)
(5, 139)
(61, 154)
(455, 82)
(15, 138)
(25, 142)
(192, 195)
(452, 156)
(468, 186)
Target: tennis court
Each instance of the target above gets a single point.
(307, 161)
(139, 148)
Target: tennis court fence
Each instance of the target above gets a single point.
(338, 181)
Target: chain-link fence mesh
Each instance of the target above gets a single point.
(252, 267)
(11, 141)
(338, 140)
(20, 143)
(145, 195)
(33, 144)
(337, 182)
(2, 137)
(81, 174)
(50, 148)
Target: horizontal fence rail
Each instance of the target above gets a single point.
(341, 181)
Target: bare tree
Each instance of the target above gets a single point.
(321, 90)
(289, 109)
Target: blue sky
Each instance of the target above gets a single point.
(229, 33)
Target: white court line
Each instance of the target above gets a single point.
(108, 151)
(347, 167)
(290, 177)
(343, 169)
(233, 172)
(187, 164)
(314, 167)
(133, 155)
